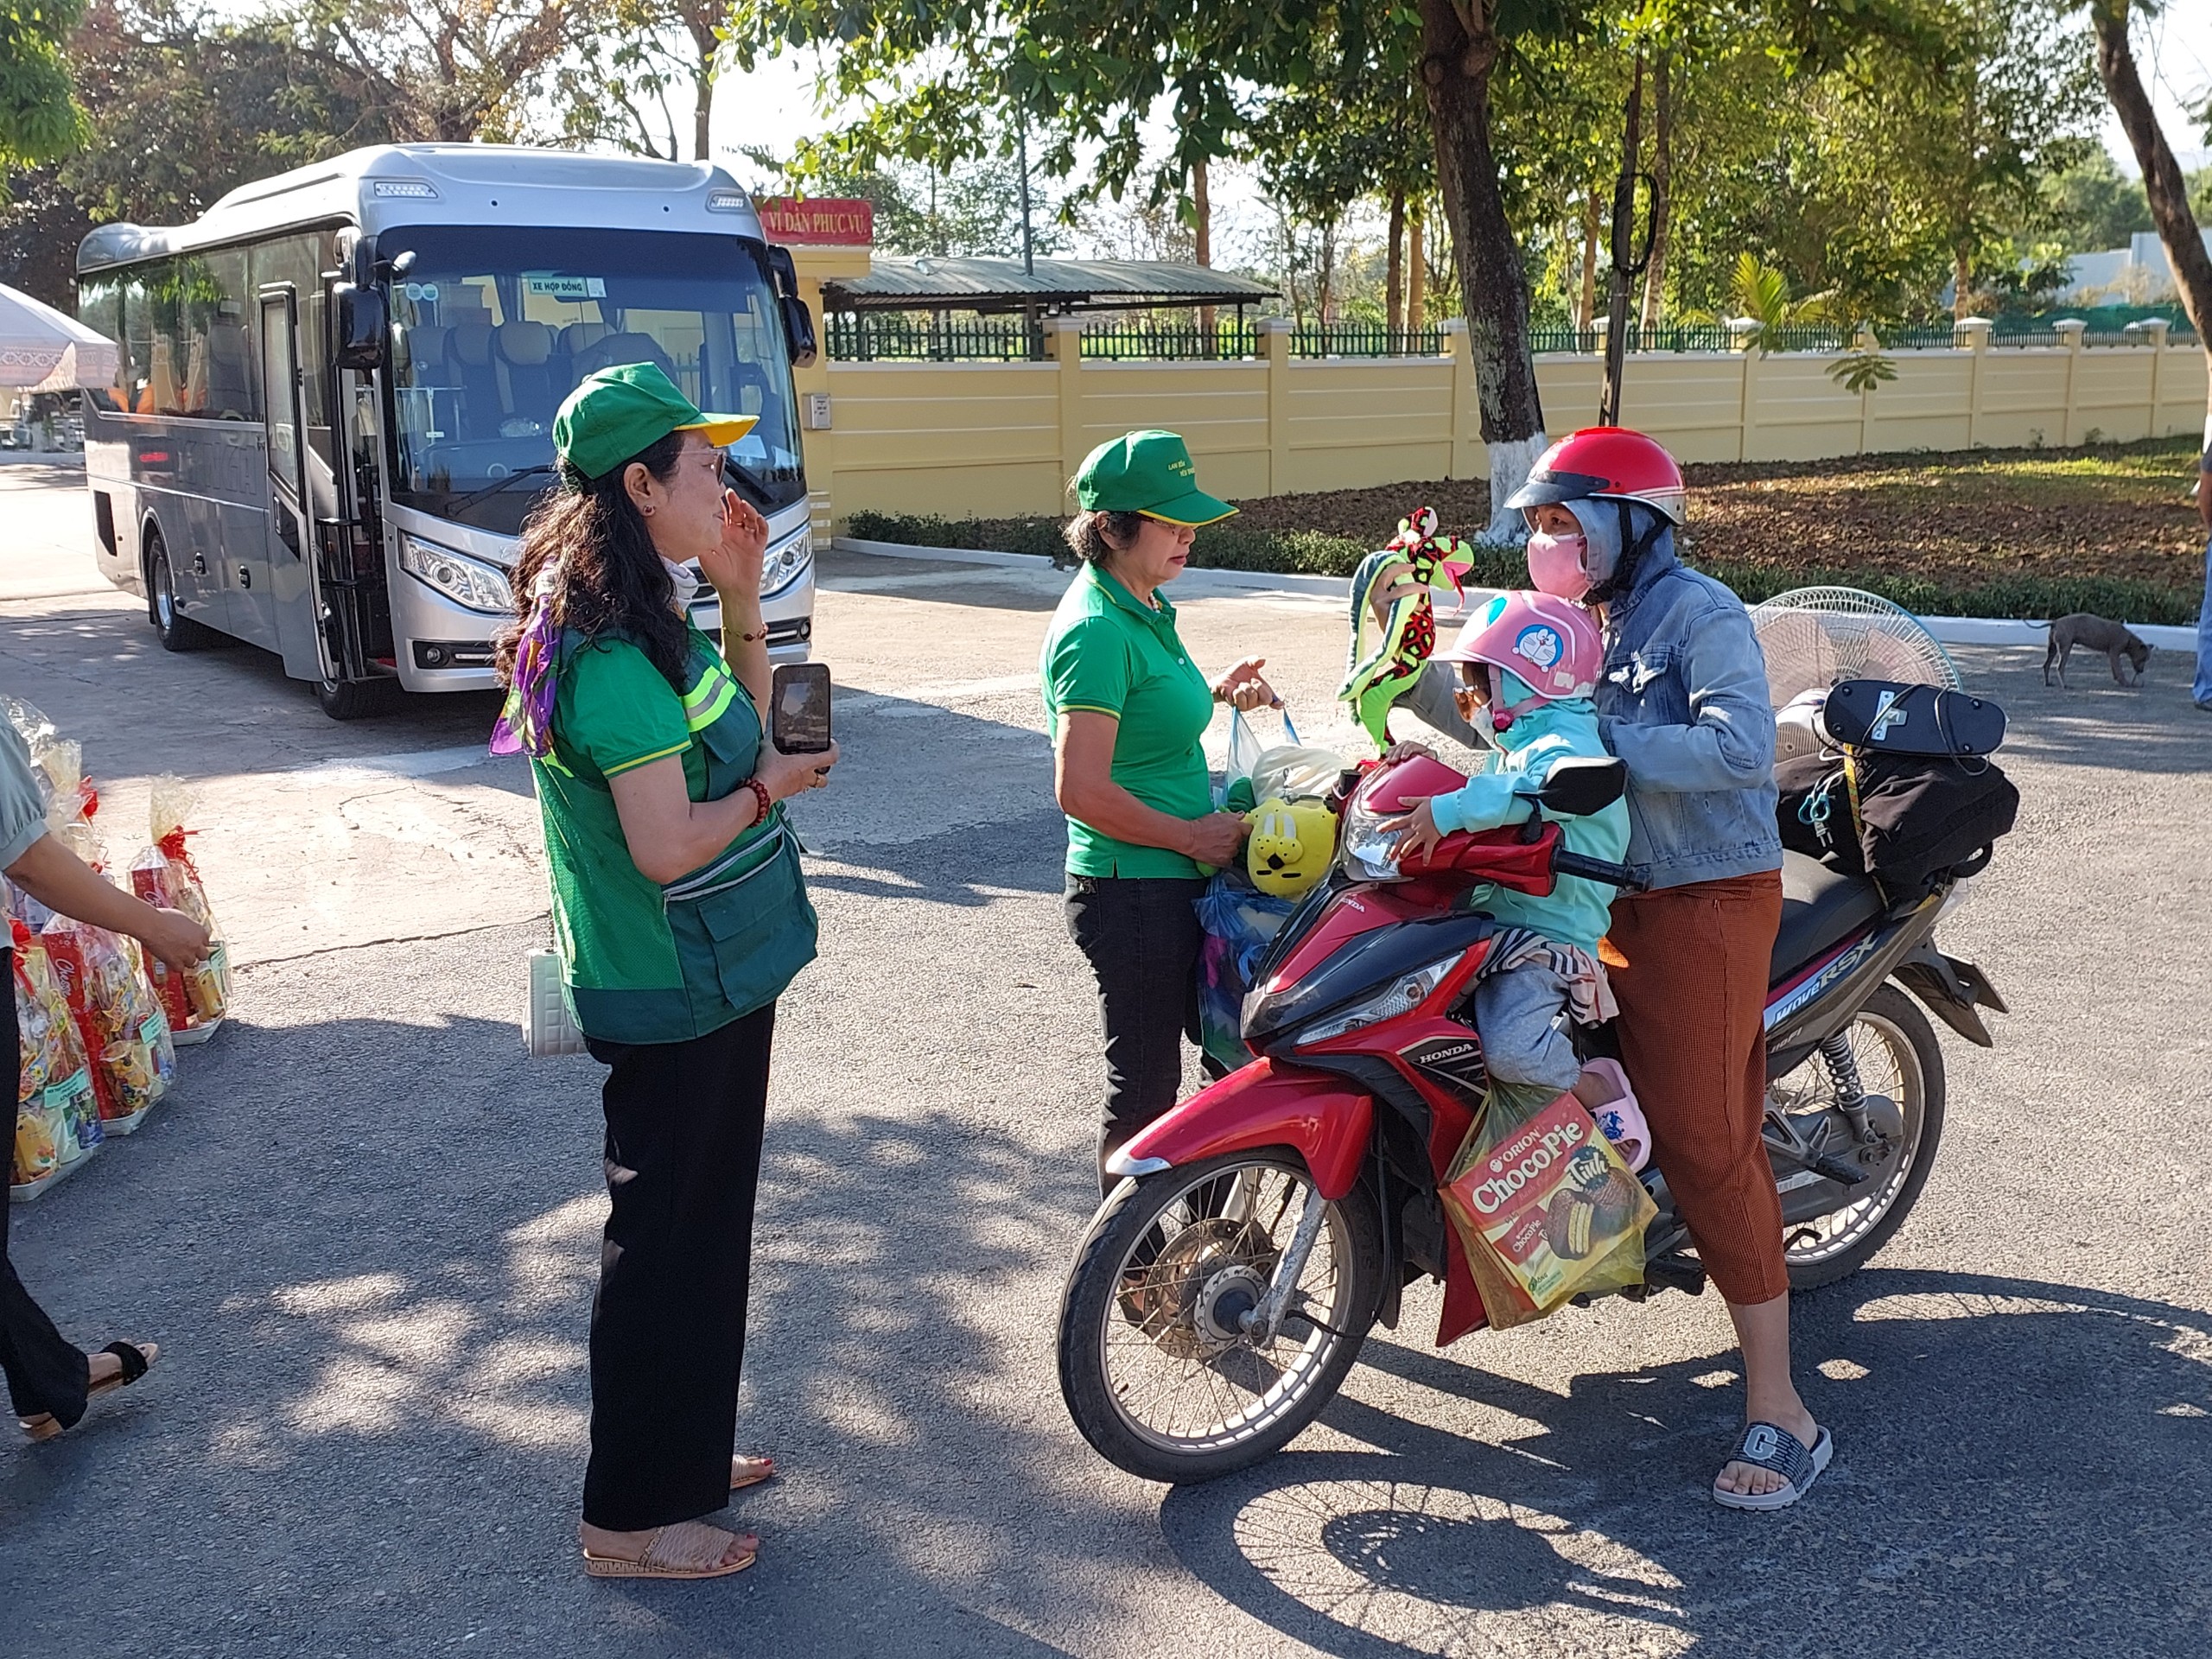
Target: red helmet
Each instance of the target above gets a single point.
(1607, 463)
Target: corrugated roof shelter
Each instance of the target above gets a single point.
(930, 283)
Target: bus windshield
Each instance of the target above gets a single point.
(493, 327)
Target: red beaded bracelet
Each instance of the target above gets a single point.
(761, 794)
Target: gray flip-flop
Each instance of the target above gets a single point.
(1767, 1445)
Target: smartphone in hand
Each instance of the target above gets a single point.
(798, 707)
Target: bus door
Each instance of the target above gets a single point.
(284, 554)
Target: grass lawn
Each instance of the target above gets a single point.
(2023, 532)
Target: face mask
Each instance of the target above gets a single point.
(687, 583)
(1555, 565)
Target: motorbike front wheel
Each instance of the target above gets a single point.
(1155, 1367)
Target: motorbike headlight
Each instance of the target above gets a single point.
(1404, 992)
(787, 561)
(1364, 852)
(470, 583)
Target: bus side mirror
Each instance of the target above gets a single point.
(361, 327)
(798, 331)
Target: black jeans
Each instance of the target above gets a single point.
(45, 1372)
(684, 1123)
(1141, 935)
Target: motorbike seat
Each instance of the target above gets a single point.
(1821, 908)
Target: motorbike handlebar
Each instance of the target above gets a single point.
(1596, 869)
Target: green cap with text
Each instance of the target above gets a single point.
(1148, 472)
(618, 412)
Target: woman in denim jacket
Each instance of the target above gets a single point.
(1683, 701)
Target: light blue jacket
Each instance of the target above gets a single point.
(1577, 911)
(1684, 702)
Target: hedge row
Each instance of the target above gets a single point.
(1306, 552)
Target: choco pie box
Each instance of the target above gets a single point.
(1546, 1204)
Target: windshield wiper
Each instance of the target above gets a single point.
(495, 487)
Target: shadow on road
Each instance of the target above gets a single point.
(2151, 728)
(2006, 1449)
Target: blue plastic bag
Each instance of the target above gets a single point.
(1240, 922)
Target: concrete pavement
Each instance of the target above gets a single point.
(365, 1235)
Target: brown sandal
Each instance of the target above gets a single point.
(133, 1360)
(764, 1468)
(690, 1549)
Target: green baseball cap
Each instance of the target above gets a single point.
(617, 412)
(1148, 472)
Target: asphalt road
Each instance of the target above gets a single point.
(365, 1235)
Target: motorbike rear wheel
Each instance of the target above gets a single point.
(1895, 1050)
(1155, 1371)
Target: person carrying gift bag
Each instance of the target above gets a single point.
(49, 1378)
(681, 916)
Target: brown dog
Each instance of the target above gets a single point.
(2094, 634)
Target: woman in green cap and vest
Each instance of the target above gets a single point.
(1128, 711)
(681, 916)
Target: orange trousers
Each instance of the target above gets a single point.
(1689, 969)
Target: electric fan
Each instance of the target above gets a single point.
(1814, 637)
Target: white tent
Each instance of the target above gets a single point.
(44, 350)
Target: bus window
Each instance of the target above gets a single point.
(494, 327)
(99, 307)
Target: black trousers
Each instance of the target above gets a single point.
(45, 1372)
(684, 1123)
(1142, 937)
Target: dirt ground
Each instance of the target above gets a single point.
(2112, 511)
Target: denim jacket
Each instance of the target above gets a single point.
(1684, 702)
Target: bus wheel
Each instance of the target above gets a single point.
(178, 632)
(352, 699)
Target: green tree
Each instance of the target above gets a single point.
(2163, 180)
(40, 120)
(185, 107)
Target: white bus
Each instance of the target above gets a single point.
(336, 391)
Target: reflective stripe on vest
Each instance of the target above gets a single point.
(709, 700)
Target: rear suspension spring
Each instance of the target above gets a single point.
(1850, 1089)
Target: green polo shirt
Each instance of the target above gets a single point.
(1106, 654)
(646, 964)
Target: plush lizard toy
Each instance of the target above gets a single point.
(1384, 667)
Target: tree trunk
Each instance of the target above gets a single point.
(1325, 290)
(1662, 199)
(1456, 69)
(700, 17)
(1585, 303)
(1394, 270)
(1416, 272)
(1962, 281)
(2162, 178)
(1202, 234)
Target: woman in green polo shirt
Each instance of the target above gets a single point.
(1127, 710)
(681, 916)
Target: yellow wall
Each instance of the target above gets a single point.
(988, 440)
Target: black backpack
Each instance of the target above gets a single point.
(1908, 821)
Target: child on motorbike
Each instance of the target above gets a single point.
(1527, 668)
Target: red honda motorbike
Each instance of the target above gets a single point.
(1262, 1227)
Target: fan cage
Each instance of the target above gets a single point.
(1813, 637)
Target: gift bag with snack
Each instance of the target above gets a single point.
(1545, 1208)
(52, 1055)
(116, 1015)
(165, 877)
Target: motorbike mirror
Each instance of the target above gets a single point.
(361, 318)
(1580, 785)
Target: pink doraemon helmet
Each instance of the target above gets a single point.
(1540, 648)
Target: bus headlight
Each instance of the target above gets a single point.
(786, 561)
(470, 583)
